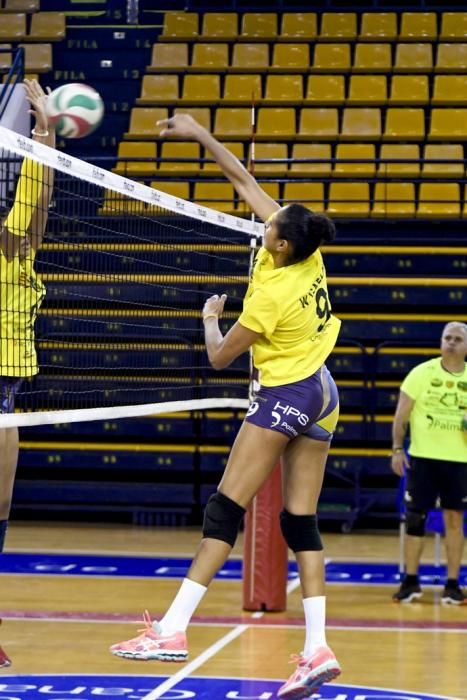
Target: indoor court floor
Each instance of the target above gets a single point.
(70, 591)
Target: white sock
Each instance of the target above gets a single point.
(178, 616)
(315, 621)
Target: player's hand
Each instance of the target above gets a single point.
(214, 305)
(181, 126)
(37, 99)
(399, 463)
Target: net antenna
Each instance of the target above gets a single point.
(127, 269)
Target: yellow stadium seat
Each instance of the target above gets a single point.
(331, 57)
(201, 89)
(349, 199)
(310, 194)
(250, 57)
(372, 58)
(178, 149)
(448, 125)
(452, 58)
(451, 151)
(319, 151)
(219, 26)
(453, 26)
(271, 188)
(180, 190)
(179, 26)
(21, 6)
(400, 151)
(259, 25)
(413, 58)
(378, 25)
(215, 195)
(161, 89)
(361, 124)
(134, 149)
(270, 151)
(368, 90)
(233, 123)
(47, 26)
(13, 27)
(210, 57)
(404, 124)
(291, 57)
(143, 122)
(338, 25)
(284, 88)
(450, 90)
(169, 57)
(419, 26)
(276, 122)
(116, 204)
(37, 57)
(439, 200)
(242, 88)
(5, 57)
(409, 89)
(318, 124)
(235, 147)
(394, 200)
(359, 151)
(201, 114)
(298, 26)
(325, 90)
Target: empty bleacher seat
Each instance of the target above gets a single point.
(270, 151)
(218, 26)
(37, 57)
(418, 26)
(232, 123)
(209, 57)
(271, 188)
(453, 26)
(133, 149)
(277, 122)
(361, 123)
(358, 151)
(242, 88)
(143, 122)
(21, 6)
(394, 199)
(338, 25)
(448, 125)
(179, 150)
(450, 151)
(409, 89)
(291, 57)
(400, 151)
(5, 57)
(200, 114)
(235, 147)
(311, 194)
(169, 57)
(201, 89)
(439, 200)
(47, 26)
(404, 124)
(284, 88)
(367, 90)
(325, 90)
(413, 58)
(318, 124)
(451, 58)
(321, 151)
(180, 25)
(450, 90)
(372, 58)
(259, 25)
(378, 25)
(181, 190)
(331, 57)
(215, 195)
(250, 57)
(298, 26)
(349, 199)
(161, 89)
(13, 27)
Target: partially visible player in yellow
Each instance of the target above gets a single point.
(21, 291)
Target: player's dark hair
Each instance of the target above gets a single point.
(305, 230)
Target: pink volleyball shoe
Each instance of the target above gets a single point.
(151, 644)
(311, 672)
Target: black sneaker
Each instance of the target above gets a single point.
(454, 595)
(407, 593)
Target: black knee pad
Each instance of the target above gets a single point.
(301, 532)
(415, 522)
(222, 518)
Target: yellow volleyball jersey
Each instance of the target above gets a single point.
(21, 294)
(436, 419)
(290, 307)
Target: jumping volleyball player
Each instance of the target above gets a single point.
(287, 321)
(21, 293)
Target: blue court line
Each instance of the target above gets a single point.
(173, 567)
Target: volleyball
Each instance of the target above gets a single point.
(75, 110)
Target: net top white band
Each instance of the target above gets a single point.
(39, 152)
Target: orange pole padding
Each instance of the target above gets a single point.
(265, 562)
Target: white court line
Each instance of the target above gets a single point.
(199, 661)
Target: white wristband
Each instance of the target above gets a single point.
(39, 133)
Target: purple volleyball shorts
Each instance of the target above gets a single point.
(309, 407)
(9, 387)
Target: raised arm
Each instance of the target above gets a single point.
(183, 126)
(399, 429)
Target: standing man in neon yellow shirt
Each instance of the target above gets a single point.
(21, 290)
(433, 400)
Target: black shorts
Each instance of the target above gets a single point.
(431, 479)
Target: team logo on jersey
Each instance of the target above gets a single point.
(449, 384)
(436, 382)
(462, 386)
